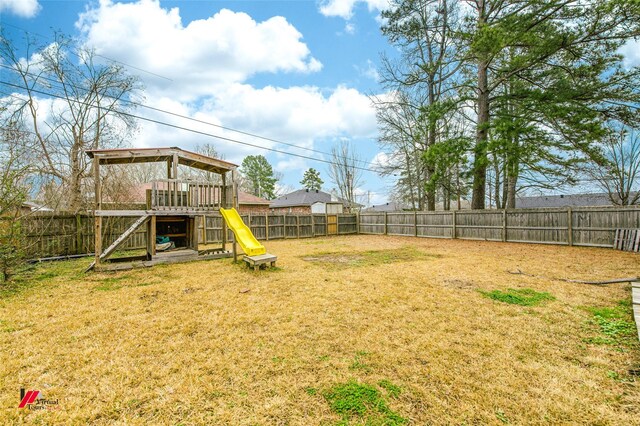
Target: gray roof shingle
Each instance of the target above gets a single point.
(301, 197)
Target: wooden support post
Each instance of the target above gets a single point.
(97, 229)
(234, 194)
(415, 223)
(223, 191)
(151, 237)
(454, 231)
(204, 229)
(569, 226)
(169, 168)
(224, 233)
(235, 248)
(504, 225)
(98, 206)
(385, 223)
(174, 166)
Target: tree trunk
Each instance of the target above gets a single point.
(75, 189)
(482, 132)
(511, 191)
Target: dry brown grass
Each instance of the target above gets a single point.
(180, 344)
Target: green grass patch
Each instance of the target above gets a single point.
(39, 275)
(361, 402)
(519, 296)
(111, 283)
(615, 325)
(359, 362)
(392, 390)
(369, 257)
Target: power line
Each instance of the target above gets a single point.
(162, 123)
(78, 55)
(198, 120)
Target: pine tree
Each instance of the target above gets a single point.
(311, 180)
(259, 178)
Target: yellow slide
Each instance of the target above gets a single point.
(243, 234)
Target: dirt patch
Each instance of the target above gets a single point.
(369, 257)
(459, 284)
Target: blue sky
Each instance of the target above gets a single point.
(295, 71)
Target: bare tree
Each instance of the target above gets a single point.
(619, 176)
(424, 75)
(14, 191)
(71, 104)
(345, 173)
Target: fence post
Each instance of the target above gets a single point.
(78, 234)
(298, 226)
(313, 226)
(415, 223)
(569, 226)
(454, 231)
(385, 223)
(504, 225)
(357, 223)
(326, 223)
(266, 226)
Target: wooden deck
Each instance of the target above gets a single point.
(174, 256)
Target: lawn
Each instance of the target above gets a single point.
(346, 330)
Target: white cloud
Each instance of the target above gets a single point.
(350, 28)
(380, 160)
(23, 8)
(369, 71)
(302, 116)
(224, 48)
(344, 8)
(209, 62)
(296, 113)
(631, 52)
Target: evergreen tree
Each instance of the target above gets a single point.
(258, 177)
(311, 180)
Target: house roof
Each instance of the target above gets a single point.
(301, 197)
(36, 207)
(388, 207)
(150, 155)
(246, 198)
(307, 197)
(575, 200)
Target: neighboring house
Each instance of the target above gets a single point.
(388, 207)
(575, 200)
(392, 206)
(305, 201)
(247, 203)
(30, 206)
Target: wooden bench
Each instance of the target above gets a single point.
(257, 261)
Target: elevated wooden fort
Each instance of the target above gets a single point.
(173, 209)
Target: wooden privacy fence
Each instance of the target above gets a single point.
(65, 234)
(586, 226)
(55, 235)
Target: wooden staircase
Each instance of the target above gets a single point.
(121, 239)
